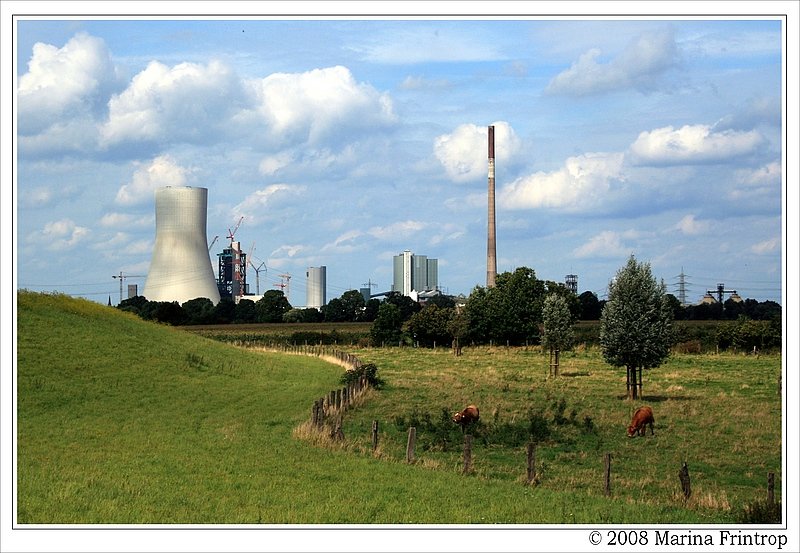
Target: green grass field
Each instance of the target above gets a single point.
(720, 414)
(121, 421)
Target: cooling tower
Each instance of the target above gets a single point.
(180, 269)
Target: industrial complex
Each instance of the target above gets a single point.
(181, 267)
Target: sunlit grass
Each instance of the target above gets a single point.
(122, 421)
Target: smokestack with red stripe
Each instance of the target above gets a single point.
(491, 247)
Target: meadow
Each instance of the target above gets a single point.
(122, 421)
(721, 414)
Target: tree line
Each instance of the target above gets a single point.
(520, 309)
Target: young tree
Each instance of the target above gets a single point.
(557, 323)
(636, 323)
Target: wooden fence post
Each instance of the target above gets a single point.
(374, 435)
(531, 462)
(686, 484)
(337, 433)
(607, 474)
(412, 440)
(467, 453)
(771, 489)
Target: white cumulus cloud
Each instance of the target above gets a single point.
(64, 83)
(400, 229)
(579, 184)
(255, 208)
(189, 101)
(765, 247)
(692, 144)
(162, 171)
(607, 244)
(316, 104)
(60, 235)
(638, 66)
(464, 153)
(691, 226)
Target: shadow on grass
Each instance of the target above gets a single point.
(574, 374)
(658, 399)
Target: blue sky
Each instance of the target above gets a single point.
(343, 142)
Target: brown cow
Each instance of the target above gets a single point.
(469, 415)
(641, 418)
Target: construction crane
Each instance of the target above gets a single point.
(237, 261)
(214, 241)
(232, 233)
(121, 276)
(284, 286)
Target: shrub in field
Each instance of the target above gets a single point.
(539, 426)
(370, 370)
(761, 512)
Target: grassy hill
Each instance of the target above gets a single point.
(124, 421)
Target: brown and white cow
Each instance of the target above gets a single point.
(641, 418)
(466, 416)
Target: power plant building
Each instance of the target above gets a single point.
(232, 272)
(415, 273)
(315, 287)
(180, 269)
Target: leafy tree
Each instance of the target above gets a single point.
(675, 306)
(387, 328)
(334, 311)
(370, 310)
(636, 323)
(441, 301)
(225, 311)
(199, 311)
(557, 325)
(353, 304)
(431, 325)
(590, 306)
(406, 305)
(511, 311)
(272, 306)
(245, 312)
(133, 305)
(167, 312)
(311, 315)
(294, 315)
(458, 327)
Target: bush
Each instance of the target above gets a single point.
(761, 512)
(370, 370)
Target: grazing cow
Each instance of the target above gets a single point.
(641, 418)
(469, 415)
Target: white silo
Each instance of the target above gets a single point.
(315, 287)
(180, 269)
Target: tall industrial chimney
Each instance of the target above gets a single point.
(491, 247)
(180, 269)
